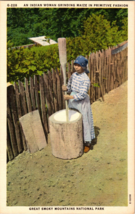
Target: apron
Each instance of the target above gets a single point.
(84, 107)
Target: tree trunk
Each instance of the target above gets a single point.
(66, 137)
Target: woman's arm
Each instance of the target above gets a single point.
(68, 97)
(68, 87)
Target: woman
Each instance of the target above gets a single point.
(78, 85)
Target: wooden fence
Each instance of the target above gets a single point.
(44, 93)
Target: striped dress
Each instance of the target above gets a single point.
(78, 85)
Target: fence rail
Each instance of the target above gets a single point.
(44, 93)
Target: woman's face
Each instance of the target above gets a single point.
(78, 68)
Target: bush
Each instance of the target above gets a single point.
(29, 62)
(98, 34)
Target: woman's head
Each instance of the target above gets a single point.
(80, 64)
(78, 68)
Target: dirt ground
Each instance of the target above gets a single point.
(98, 178)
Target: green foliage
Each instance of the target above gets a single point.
(96, 32)
(29, 62)
(96, 85)
(23, 23)
(124, 31)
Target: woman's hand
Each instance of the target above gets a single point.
(68, 97)
(64, 88)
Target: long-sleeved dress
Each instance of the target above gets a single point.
(78, 85)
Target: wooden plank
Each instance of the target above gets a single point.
(94, 76)
(43, 110)
(89, 72)
(19, 111)
(50, 79)
(50, 88)
(111, 69)
(91, 77)
(100, 79)
(98, 58)
(99, 74)
(106, 71)
(47, 94)
(55, 90)
(27, 95)
(116, 64)
(122, 67)
(36, 86)
(18, 103)
(9, 148)
(120, 70)
(103, 77)
(110, 66)
(32, 94)
(11, 131)
(113, 72)
(117, 71)
(58, 90)
(33, 131)
(114, 75)
(119, 67)
(124, 63)
(119, 76)
(12, 102)
(23, 98)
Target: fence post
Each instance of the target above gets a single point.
(58, 90)
(47, 94)
(19, 111)
(55, 90)
(43, 110)
(36, 86)
(32, 93)
(12, 103)
(23, 98)
(11, 131)
(9, 148)
(28, 95)
(50, 89)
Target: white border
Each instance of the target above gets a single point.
(131, 57)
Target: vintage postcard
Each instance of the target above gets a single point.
(67, 106)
